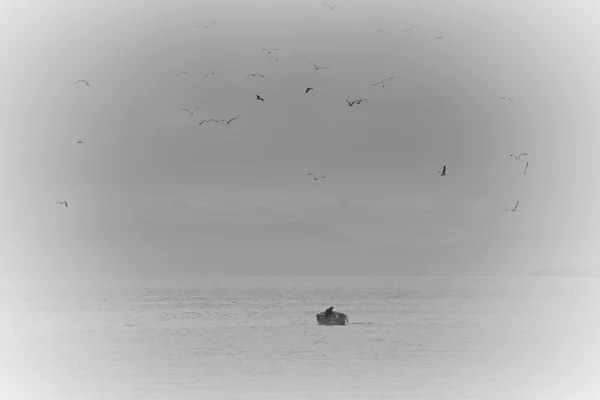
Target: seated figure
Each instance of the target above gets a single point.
(329, 312)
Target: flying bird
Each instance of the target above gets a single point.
(505, 98)
(332, 8)
(308, 89)
(318, 68)
(355, 102)
(439, 37)
(207, 121)
(273, 58)
(383, 30)
(381, 82)
(443, 171)
(212, 73)
(229, 121)
(254, 74)
(62, 202)
(317, 177)
(207, 25)
(518, 156)
(269, 51)
(191, 112)
(410, 29)
(515, 207)
(259, 98)
(182, 72)
(83, 81)
(79, 141)
(525, 170)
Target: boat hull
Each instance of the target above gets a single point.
(336, 318)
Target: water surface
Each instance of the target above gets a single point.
(246, 338)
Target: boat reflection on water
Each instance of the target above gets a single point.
(330, 317)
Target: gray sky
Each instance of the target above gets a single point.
(152, 192)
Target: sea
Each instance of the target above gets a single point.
(417, 338)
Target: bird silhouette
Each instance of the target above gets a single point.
(381, 82)
(79, 141)
(252, 75)
(332, 8)
(190, 112)
(259, 98)
(229, 121)
(183, 72)
(83, 81)
(318, 68)
(269, 51)
(207, 121)
(518, 156)
(317, 177)
(514, 208)
(274, 58)
(308, 89)
(505, 98)
(443, 171)
(525, 170)
(355, 102)
(410, 29)
(212, 73)
(62, 202)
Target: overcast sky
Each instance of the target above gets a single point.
(151, 192)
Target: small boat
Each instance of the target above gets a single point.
(334, 318)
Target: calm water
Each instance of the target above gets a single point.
(246, 338)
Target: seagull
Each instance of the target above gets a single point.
(254, 74)
(274, 58)
(514, 209)
(317, 177)
(183, 72)
(191, 112)
(207, 121)
(62, 202)
(505, 98)
(381, 82)
(525, 170)
(83, 81)
(308, 89)
(332, 8)
(259, 98)
(410, 29)
(269, 51)
(79, 141)
(207, 25)
(318, 68)
(355, 102)
(439, 37)
(211, 73)
(229, 121)
(517, 157)
(443, 171)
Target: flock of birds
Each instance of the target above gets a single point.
(518, 157)
(351, 103)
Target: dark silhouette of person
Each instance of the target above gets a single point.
(329, 312)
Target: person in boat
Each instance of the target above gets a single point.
(329, 312)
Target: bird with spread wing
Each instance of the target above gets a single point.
(514, 208)
(317, 177)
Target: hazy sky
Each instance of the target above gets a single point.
(150, 191)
